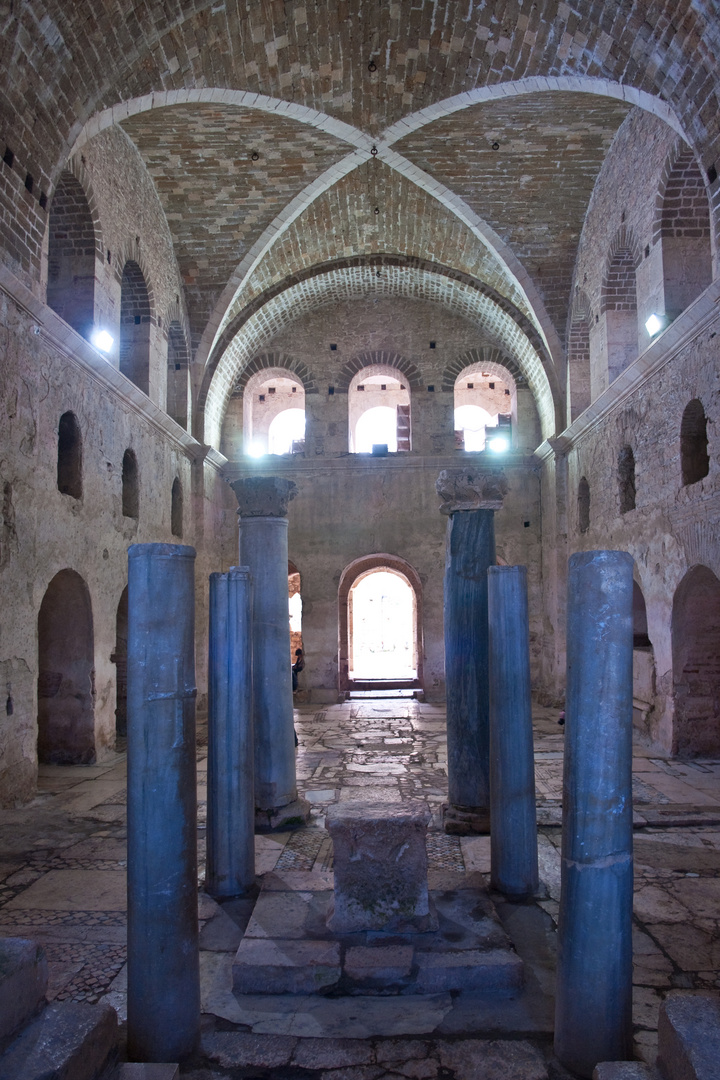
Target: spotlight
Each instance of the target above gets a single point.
(498, 445)
(655, 324)
(102, 340)
(256, 450)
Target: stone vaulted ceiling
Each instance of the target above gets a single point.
(491, 119)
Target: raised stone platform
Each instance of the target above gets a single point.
(288, 948)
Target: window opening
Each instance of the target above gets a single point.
(69, 463)
(378, 411)
(176, 508)
(583, 499)
(694, 458)
(382, 627)
(130, 485)
(626, 479)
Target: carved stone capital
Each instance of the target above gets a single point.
(471, 489)
(263, 496)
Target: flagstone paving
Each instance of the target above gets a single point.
(62, 870)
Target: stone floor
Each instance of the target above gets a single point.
(62, 882)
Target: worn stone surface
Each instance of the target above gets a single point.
(380, 867)
(294, 967)
(487, 972)
(264, 496)
(689, 1036)
(467, 489)
(381, 965)
(68, 1041)
(147, 1071)
(237, 1049)
(624, 1070)
(23, 982)
(498, 1060)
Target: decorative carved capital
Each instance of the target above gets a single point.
(263, 496)
(471, 489)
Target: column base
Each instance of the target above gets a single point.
(293, 816)
(466, 820)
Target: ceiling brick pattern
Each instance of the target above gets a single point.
(377, 358)
(685, 210)
(276, 361)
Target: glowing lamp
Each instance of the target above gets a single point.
(655, 324)
(256, 450)
(102, 340)
(498, 445)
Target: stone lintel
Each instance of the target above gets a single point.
(471, 489)
(263, 496)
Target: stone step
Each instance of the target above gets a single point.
(624, 1070)
(689, 1036)
(23, 982)
(68, 1041)
(146, 1071)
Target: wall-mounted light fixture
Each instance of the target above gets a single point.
(102, 340)
(498, 444)
(656, 323)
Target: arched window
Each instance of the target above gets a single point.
(273, 413)
(484, 401)
(583, 500)
(618, 309)
(380, 612)
(694, 458)
(176, 508)
(696, 663)
(178, 376)
(71, 256)
(135, 326)
(378, 410)
(69, 462)
(130, 485)
(685, 231)
(66, 673)
(626, 479)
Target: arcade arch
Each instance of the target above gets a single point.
(696, 664)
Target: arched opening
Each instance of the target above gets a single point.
(176, 508)
(685, 232)
(66, 673)
(130, 485)
(380, 625)
(696, 663)
(135, 326)
(295, 614)
(583, 501)
(578, 377)
(643, 665)
(626, 479)
(694, 457)
(178, 376)
(484, 404)
(274, 413)
(378, 410)
(619, 310)
(119, 659)
(71, 256)
(69, 462)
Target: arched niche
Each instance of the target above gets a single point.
(685, 233)
(135, 319)
(696, 664)
(71, 255)
(353, 575)
(378, 409)
(270, 394)
(66, 673)
(119, 659)
(69, 459)
(643, 665)
(178, 376)
(130, 485)
(694, 457)
(176, 508)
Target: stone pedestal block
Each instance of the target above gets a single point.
(689, 1036)
(380, 867)
(23, 982)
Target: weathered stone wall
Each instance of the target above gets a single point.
(44, 531)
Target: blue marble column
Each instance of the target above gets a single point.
(470, 499)
(163, 971)
(593, 1012)
(230, 800)
(513, 840)
(263, 504)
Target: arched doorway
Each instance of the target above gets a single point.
(119, 659)
(643, 665)
(696, 663)
(380, 625)
(294, 609)
(66, 673)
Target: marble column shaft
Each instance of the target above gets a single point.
(593, 1015)
(163, 963)
(470, 551)
(263, 503)
(513, 843)
(230, 800)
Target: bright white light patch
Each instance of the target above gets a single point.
(655, 324)
(498, 444)
(102, 340)
(256, 450)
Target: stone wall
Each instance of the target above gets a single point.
(47, 370)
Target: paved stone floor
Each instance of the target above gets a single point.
(62, 882)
